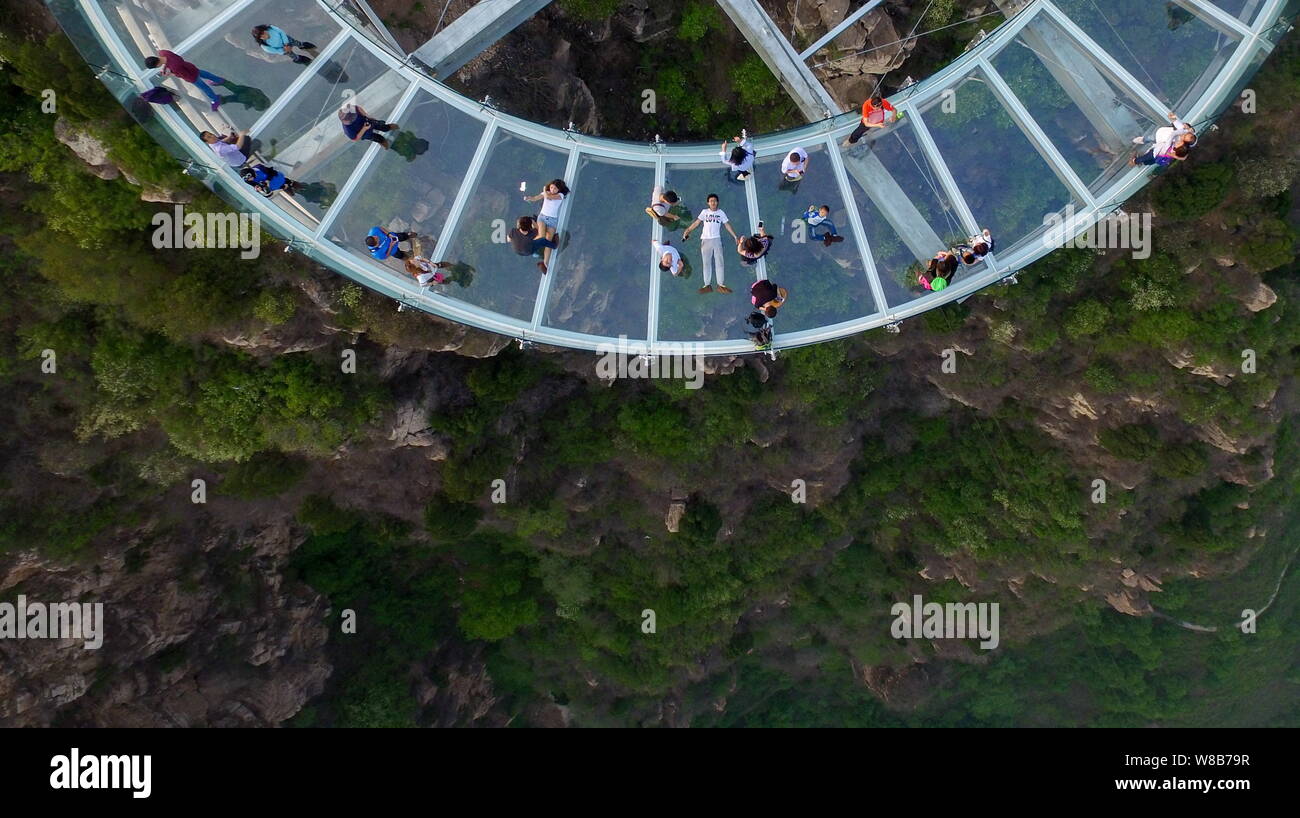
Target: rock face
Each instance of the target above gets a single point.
(850, 65)
(1183, 360)
(94, 153)
(411, 419)
(1261, 298)
(185, 615)
(1129, 601)
(87, 148)
(673, 519)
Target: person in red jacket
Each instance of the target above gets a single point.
(875, 114)
(174, 65)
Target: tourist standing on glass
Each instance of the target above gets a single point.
(359, 125)
(383, 244)
(174, 65)
(233, 148)
(875, 114)
(713, 220)
(274, 41)
(740, 159)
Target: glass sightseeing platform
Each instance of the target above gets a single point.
(1027, 134)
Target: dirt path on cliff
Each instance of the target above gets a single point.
(1277, 588)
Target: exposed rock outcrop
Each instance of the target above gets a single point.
(176, 649)
(94, 153)
(850, 66)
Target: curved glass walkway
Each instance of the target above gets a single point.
(1032, 123)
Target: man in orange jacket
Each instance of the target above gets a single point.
(875, 114)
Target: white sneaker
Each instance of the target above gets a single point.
(1139, 140)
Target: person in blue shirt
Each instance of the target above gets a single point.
(267, 180)
(820, 225)
(382, 244)
(358, 125)
(274, 41)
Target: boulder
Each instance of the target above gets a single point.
(1261, 298)
(673, 519)
(1130, 602)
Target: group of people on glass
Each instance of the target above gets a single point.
(535, 235)
(235, 149)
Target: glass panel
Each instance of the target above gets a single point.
(233, 54)
(1244, 10)
(1009, 191)
(684, 313)
(905, 213)
(72, 19)
(306, 140)
(412, 186)
(827, 284)
(149, 25)
(355, 16)
(497, 278)
(601, 284)
(1163, 45)
(1089, 120)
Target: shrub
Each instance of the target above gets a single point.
(948, 318)
(1100, 375)
(1086, 318)
(1160, 328)
(1190, 193)
(448, 520)
(324, 518)
(267, 474)
(1182, 460)
(753, 82)
(590, 9)
(698, 19)
(1270, 244)
(1137, 441)
(1261, 178)
(275, 306)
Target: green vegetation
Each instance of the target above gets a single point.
(267, 474)
(767, 610)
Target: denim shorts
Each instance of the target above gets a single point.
(550, 221)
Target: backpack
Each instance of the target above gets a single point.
(761, 292)
(158, 96)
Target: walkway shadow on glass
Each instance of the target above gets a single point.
(332, 72)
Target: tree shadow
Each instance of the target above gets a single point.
(460, 274)
(409, 146)
(255, 99)
(321, 194)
